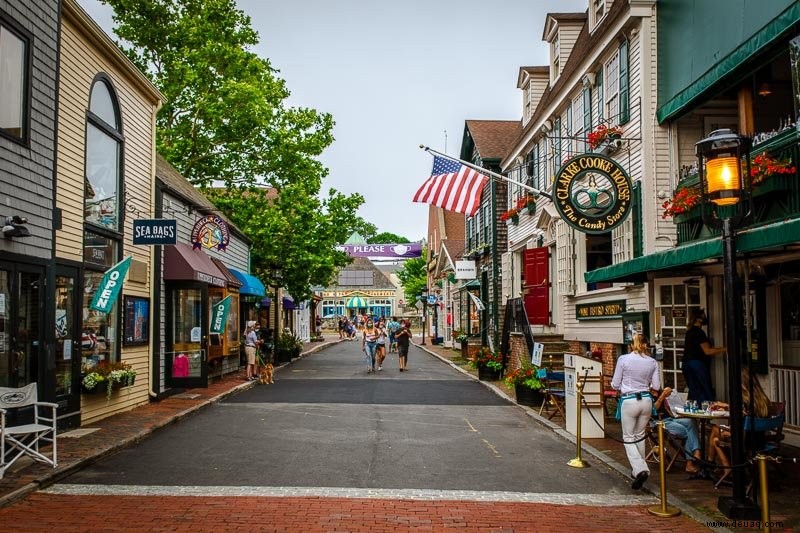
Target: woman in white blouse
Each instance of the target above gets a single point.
(635, 376)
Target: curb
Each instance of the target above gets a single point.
(684, 507)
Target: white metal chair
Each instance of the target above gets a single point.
(24, 439)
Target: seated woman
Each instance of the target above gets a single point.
(719, 434)
(682, 428)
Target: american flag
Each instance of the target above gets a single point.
(452, 186)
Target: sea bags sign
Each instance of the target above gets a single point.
(156, 231)
(592, 193)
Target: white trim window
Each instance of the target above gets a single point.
(612, 89)
(529, 101)
(14, 82)
(597, 10)
(565, 250)
(555, 58)
(622, 241)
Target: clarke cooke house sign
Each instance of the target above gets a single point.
(592, 193)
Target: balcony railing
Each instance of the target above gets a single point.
(776, 198)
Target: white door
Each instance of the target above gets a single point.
(675, 299)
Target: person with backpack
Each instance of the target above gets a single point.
(392, 327)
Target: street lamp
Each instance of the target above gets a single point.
(424, 296)
(724, 169)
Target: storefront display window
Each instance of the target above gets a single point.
(99, 250)
(65, 305)
(232, 329)
(99, 340)
(103, 147)
(186, 355)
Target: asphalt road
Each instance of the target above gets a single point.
(327, 423)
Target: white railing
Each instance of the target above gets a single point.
(786, 388)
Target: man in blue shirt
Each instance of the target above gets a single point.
(393, 327)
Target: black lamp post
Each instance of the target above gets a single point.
(724, 167)
(424, 297)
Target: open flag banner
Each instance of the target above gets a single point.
(219, 315)
(477, 301)
(110, 285)
(452, 186)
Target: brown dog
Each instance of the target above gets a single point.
(266, 374)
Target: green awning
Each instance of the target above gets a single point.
(474, 284)
(757, 239)
(356, 302)
(726, 67)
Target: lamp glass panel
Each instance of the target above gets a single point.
(722, 174)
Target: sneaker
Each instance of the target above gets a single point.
(380, 368)
(639, 480)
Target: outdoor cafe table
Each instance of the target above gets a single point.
(703, 417)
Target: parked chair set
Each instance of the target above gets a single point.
(24, 439)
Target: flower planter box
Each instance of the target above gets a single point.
(531, 209)
(514, 220)
(528, 396)
(779, 183)
(102, 387)
(692, 214)
(487, 374)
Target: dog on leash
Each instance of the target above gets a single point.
(266, 373)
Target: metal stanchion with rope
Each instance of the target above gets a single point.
(577, 462)
(662, 510)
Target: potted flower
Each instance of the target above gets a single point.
(108, 376)
(680, 204)
(526, 383)
(764, 170)
(488, 363)
(603, 134)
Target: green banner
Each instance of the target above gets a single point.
(219, 315)
(110, 286)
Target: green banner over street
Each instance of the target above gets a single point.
(219, 315)
(110, 286)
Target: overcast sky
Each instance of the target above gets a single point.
(395, 75)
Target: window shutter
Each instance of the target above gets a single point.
(506, 282)
(599, 89)
(537, 285)
(624, 84)
(587, 110)
(636, 214)
(564, 251)
(557, 152)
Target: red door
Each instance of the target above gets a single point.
(537, 285)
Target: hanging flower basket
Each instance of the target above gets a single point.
(108, 377)
(603, 133)
(684, 201)
(768, 174)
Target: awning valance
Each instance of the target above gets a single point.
(356, 302)
(233, 281)
(182, 263)
(251, 285)
(288, 303)
(474, 284)
(757, 239)
(266, 302)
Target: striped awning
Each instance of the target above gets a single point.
(356, 302)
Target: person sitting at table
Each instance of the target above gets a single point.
(720, 434)
(682, 428)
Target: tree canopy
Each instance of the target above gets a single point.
(387, 238)
(225, 122)
(414, 277)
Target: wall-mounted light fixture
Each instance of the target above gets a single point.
(14, 226)
(764, 89)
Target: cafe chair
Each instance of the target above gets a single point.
(554, 395)
(24, 439)
(673, 451)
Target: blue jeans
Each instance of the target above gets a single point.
(684, 428)
(369, 348)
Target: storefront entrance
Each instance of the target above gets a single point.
(21, 323)
(186, 358)
(675, 300)
(68, 346)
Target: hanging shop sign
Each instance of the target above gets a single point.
(386, 251)
(219, 315)
(592, 193)
(466, 270)
(110, 285)
(612, 309)
(211, 232)
(155, 231)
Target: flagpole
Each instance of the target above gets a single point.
(489, 172)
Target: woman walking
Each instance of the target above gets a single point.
(382, 338)
(369, 344)
(635, 375)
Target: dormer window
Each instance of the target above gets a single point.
(555, 63)
(597, 10)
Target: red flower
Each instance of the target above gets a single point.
(684, 200)
(602, 132)
(511, 213)
(764, 166)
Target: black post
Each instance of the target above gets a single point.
(736, 506)
(424, 317)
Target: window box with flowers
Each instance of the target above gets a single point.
(605, 139)
(769, 174)
(107, 377)
(528, 389)
(526, 203)
(489, 364)
(683, 206)
(511, 215)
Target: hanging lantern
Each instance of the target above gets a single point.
(724, 164)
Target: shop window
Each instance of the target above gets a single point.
(100, 336)
(555, 58)
(14, 80)
(598, 255)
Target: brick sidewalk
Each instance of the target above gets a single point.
(124, 429)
